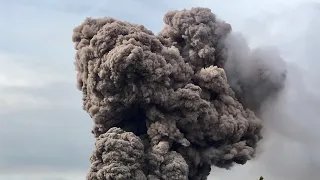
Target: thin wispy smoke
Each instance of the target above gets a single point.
(172, 105)
(291, 136)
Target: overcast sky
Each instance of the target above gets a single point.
(45, 134)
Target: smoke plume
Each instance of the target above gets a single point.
(171, 105)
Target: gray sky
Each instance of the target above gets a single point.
(45, 134)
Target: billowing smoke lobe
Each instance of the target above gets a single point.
(163, 105)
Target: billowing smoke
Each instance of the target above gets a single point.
(255, 75)
(170, 106)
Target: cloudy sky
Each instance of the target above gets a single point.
(45, 134)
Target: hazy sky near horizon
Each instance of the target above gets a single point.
(45, 134)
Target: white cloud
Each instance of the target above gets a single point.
(45, 176)
(40, 107)
(10, 102)
(20, 71)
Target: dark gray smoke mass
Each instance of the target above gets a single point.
(254, 74)
(170, 106)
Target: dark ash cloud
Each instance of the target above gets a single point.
(169, 97)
